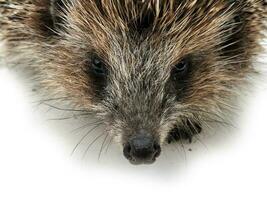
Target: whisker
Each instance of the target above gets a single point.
(64, 109)
(63, 118)
(220, 122)
(175, 147)
(110, 141)
(201, 142)
(48, 100)
(182, 144)
(86, 125)
(102, 146)
(195, 135)
(220, 119)
(73, 151)
(211, 120)
(98, 137)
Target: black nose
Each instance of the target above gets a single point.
(141, 148)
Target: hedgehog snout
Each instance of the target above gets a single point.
(142, 148)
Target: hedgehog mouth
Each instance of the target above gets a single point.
(186, 132)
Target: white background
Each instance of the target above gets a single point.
(36, 161)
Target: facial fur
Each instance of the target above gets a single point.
(150, 65)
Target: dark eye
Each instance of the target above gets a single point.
(98, 67)
(96, 70)
(181, 68)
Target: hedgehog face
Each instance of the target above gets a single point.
(153, 71)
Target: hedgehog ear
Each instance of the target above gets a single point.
(57, 10)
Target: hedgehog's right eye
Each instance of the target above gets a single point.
(98, 68)
(97, 71)
(181, 69)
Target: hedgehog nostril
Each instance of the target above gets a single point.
(127, 151)
(157, 150)
(141, 148)
(155, 146)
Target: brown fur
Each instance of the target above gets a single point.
(220, 36)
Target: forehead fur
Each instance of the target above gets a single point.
(154, 20)
(157, 20)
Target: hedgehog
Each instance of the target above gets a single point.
(153, 71)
